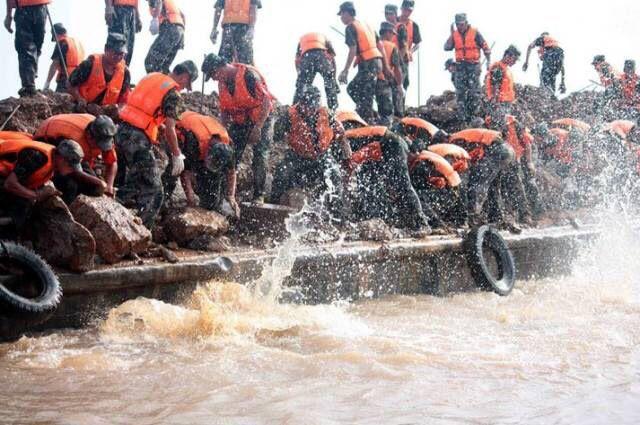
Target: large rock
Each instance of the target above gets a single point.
(117, 232)
(61, 240)
(191, 223)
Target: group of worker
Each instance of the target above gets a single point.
(406, 171)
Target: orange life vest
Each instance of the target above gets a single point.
(241, 105)
(569, 123)
(620, 128)
(479, 138)
(467, 50)
(312, 41)
(170, 13)
(419, 123)
(237, 12)
(547, 43)
(75, 55)
(507, 91)
(371, 152)
(144, 107)
(449, 177)
(367, 45)
(9, 150)
(15, 135)
(459, 157)
(70, 126)
(388, 47)
(132, 3)
(560, 150)
(204, 128)
(96, 84)
(301, 137)
(347, 116)
(607, 80)
(629, 88)
(27, 3)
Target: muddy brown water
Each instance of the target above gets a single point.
(561, 351)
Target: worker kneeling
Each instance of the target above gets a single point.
(209, 165)
(490, 156)
(384, 188)
(26, 168)
(96, 138)
(311, 160)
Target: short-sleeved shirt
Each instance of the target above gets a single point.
(417, 38)
(82, 73)
(28, 162)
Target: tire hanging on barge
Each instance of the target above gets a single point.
(29, 290)
(490, 260)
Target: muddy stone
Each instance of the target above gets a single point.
(372, 230)
(191, 223)
(61, 240)
(117, 232)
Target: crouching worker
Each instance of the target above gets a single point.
(310, 130)
(26, 166)
(420, 133)
(490, 156)
(384, 188)
(519, 182)
(209, 166)
(437, 185)
(155, 102)
(96, 138)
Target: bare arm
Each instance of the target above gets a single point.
(13, 186)
(110, 176)
(53, 69)
(11, 4)
(526, 59)
(350, 58)
(231, 185)
(172, 138)
(216, 18)
(186, 179)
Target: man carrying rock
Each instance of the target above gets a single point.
(246, 107)
(315, 55)
(123, 17)
(209, 165)
(311, 131)
(31, 19)
(501, 88)
(71, 53)
(102, 79)
(364, 49)
(96, 138)
(552, 56)
(26, 168)
(238, 26)
(467, 43)
(154, 104)
(168, 24)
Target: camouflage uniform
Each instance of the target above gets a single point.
(30, 31)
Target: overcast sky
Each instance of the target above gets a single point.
(583, 29)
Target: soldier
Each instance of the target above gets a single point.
(123, 17)
(552, 56)
(71, 53)
(315, 55)
(413, 37)
(238, 25)
(500, 87)
(389, 90)
(467, 42)
(168, 24)
(31, 18)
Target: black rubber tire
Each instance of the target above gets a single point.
(476, 242)
(35, 276)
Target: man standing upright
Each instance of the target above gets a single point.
(363, 48)
(501, 88)
(31, 18)
(315, 55)
(238, 25)
(467, 42)
(389, 92)
(168, 23)
(413, 37)
(123, 17)
(552, 56)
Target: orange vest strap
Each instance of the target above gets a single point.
(367, 45)
(467, 50)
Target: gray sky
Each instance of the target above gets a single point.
(583, 29)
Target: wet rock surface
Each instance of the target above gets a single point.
(117, 231)
(61, 240)
(189, 224)
(375, 230)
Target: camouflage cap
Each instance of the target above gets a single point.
(71, 152)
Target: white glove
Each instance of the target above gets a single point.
(177, 165)
(154, 27)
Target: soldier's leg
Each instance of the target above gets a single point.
(305, 77)
(384, 99)
(327, 69)
(124, 22)
(164, 48)
(28, 42)
(209, 189)
(462, 91)
(261, 159)
(285, 177)
(243, 42)
(473, 103)
(226, 44)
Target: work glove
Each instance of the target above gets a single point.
(177, 165)
(154, 26)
